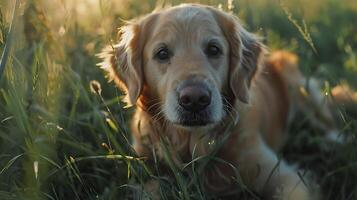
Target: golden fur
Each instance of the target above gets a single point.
(260, 94)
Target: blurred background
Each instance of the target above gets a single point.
(64, 131)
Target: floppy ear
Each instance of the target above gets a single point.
(245, 53)
(123, 63)
(244, 68)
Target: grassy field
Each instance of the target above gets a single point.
(59, 139)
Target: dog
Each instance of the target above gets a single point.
(199, 78)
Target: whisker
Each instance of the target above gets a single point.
(153, 105)
(229, 113)
(230, 107)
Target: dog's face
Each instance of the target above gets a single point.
(193, 61)
(186, 62)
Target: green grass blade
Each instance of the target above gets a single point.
(9, 38)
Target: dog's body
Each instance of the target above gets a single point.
(259, 132)
(193, 71)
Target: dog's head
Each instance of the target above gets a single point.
(192, 60)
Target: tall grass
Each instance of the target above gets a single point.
(60, 140)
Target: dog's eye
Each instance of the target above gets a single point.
(163, 54)
(212, 50)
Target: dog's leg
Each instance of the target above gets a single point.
(262, 171)
(317, 109)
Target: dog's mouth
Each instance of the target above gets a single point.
(193, 119)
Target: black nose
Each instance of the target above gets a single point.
(194, 98)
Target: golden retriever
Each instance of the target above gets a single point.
(197, 78)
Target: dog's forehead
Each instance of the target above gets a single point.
(186, 13)
(189, 17)
(186, 20)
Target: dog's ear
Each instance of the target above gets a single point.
(245, 53)
(245, 66)
(123, 62)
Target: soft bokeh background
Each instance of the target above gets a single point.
(59, 140)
